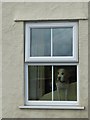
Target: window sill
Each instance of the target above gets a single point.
(54, 107)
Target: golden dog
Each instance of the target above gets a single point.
(62, 84)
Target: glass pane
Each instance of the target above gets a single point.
(40, 44)
(62, 42)
(39, 83)
(65, 82)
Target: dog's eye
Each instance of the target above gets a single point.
(62, 73)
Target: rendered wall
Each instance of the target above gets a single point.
(0, 60)
(13, 55)
(88, 60)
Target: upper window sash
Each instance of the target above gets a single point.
(73, 58)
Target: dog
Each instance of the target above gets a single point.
(62, 84)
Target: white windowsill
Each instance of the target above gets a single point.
(54, 107)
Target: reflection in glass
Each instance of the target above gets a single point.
(62, 42)
(65, 83)
(40, 43)
(39, 83)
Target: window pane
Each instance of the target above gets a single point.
(62, 42)
(39, 83)
(40, 44)
(65, 80)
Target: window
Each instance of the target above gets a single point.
(51, 63)
(51, 42)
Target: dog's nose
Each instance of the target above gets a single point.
(59, 78)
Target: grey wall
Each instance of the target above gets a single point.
(13, 55)
(89, 60)
(0, 60)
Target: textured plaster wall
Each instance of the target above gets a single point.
(39, 11)
(89, 58)
(0, 60)
(13, 55)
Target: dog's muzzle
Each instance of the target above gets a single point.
(62, 81)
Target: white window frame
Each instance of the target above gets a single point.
(53, 103)
(72, 60)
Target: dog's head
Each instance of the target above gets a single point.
(63, 75)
